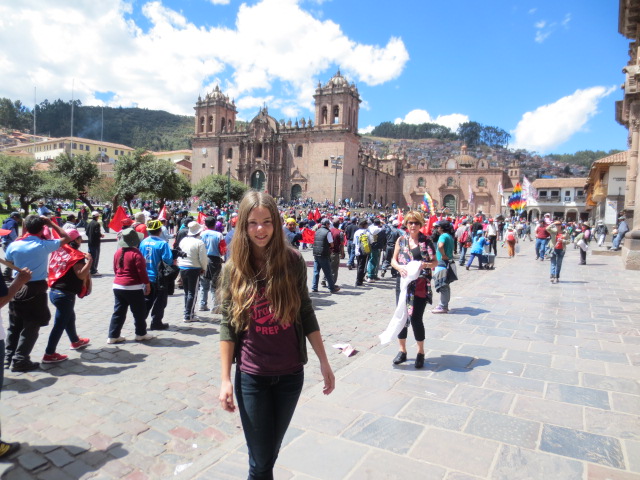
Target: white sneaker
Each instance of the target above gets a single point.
(146, 336)
(111, 341)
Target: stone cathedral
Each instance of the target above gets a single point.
(293, 160)
(299, 159)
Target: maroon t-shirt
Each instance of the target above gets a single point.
(268, 348)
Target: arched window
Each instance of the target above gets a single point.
(323, 116)
(421, 182)
(299, 151)
(258, 150)
(210, 126)
(258, 180)
(482, 182)
(222, 125)
(230, 153)
(229, 125)
(336, 114)
(201, 124)
(450, 182)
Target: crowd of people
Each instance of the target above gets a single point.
(243, 261)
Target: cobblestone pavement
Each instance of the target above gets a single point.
(524, 379)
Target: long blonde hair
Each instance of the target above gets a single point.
(281, 289)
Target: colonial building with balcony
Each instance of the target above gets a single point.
(563, 198)
(606, 186)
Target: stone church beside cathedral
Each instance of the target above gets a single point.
(323, 159)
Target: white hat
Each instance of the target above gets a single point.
(95, 214)
(194, 229)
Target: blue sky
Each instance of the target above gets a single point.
(548, 72)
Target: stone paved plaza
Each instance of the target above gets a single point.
(524, 380)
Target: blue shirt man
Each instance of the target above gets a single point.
(29, 309)
(156, 250)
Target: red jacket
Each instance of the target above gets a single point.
(134, 269)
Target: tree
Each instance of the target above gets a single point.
(55, 185)
(213, 189)
(80, 171)
(14, 115)
(129, 180)
(103, 189)
(470, 133)
(18, 176)
(141, 173)
(164, 183)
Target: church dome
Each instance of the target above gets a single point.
(217, 95)
(463, 160)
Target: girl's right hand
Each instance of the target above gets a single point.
(402, 272)
(226, 397)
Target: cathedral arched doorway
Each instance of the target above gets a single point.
(450, 203)
(258, 180)
(296, 192)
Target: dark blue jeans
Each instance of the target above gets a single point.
(556, 262)
(156, 302)
(351, 251)
(266, 405)
(324, 264)
(190, 277)
(64, 320)
(94, 251)
(541, 247)
(124, 300)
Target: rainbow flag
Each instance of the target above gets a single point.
(516, 200)
(427, 205)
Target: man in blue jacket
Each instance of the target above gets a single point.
(155, 250)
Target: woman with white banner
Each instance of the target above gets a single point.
(414, 257)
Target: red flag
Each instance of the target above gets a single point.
(316, 215)
(116, 222)
(201, 217)
(400, 217)
(308, 235)
(429, 226)
(163, 213)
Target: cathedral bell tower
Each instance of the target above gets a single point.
(337, 104)
(215, 114)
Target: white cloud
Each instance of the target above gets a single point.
(551, 125)
(365, 130)
(419, 116)
(167, 61)
(220, 2)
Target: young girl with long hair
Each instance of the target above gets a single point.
(267, 316)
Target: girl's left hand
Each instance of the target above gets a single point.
(329, 378)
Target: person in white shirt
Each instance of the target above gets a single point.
(192, 266)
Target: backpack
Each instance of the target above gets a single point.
(364, 242)
(464, 237)
(511, 237)
(381, 239)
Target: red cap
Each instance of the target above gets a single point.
(127, 222)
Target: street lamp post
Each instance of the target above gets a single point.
(459, 194)
(228, 181)
(336, 163)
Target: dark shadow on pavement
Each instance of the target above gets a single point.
(573, 281)
(170, 342)
(456, 363)
(471, 311)
(86, 461)
(112, 355)
(200, 332)
(24, 385)
(87, 370)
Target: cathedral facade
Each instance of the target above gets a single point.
(319, 159)
(323, 159)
